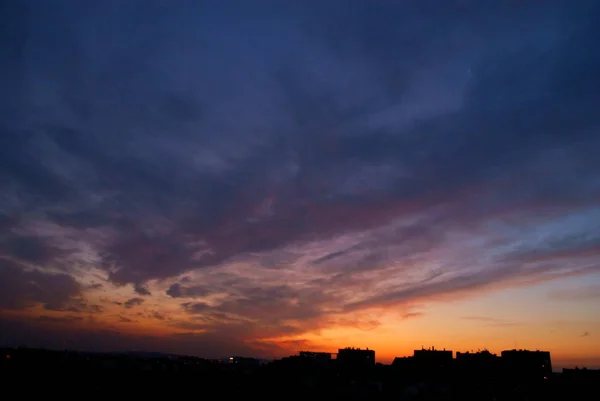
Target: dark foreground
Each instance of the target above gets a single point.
(27, 372)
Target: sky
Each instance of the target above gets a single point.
(257, 178)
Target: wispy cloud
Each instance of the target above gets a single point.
(413, 315)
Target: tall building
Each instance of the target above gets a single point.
(482, 364)
(432, 361)
(433, 357)
(524, 364)
(476, 359)
(356, 357)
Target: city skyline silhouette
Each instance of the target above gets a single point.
(258, 178)
(429, 374)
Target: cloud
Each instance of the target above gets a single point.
(586, 334)
(95, 286)
(360, 159)
(412, 315)
(79, 305)
(23, 288)
(195, 307)
(179, 291)
(158, 315)
(30, 249)
(124, 319)
(132, 302)
(141, 290)
(349, 174)
(267, 304)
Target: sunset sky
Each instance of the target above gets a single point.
(256, 178)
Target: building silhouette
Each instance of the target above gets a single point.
(324, 357)
(527, 365)
(356, 357)
(433, 357)
(477, 364)
(433, 362)
(243, 361)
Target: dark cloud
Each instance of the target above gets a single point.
(132, 302)
(327, 163)
(22, 288)
(141, 289)
(179, 291)
(30, 249)
(586, 334)
(195, 307)
(322, 164)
